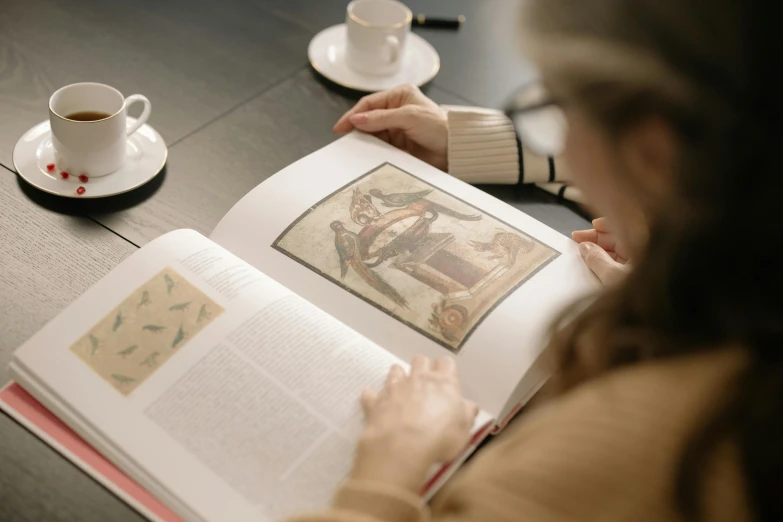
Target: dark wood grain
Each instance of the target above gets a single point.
(481, 62)
(47, 261)
(211, 170)
(194, 59)
(37, 484)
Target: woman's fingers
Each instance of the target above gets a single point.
(445, 365)
(608, 240)
(376, 100)
(369, 398)
(420, 364)
(601, 224)
(471, 411)
(605, 240)
(385, 119)
(344, 126)
(396, 374)
(580, 236)
(405, 95)
(391, 99)
(601, 263)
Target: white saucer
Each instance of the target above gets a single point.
(146, 154)
(327, 56)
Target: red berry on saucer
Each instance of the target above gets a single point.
(80, 190)
(83, 178)
(50, 167)
(64, 175)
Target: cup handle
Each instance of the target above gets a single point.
(394, 48)
(133, 98)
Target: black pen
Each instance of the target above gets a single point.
(422, 20)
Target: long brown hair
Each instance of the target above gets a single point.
(710, 275)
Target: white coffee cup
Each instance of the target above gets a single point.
(376, 33)
(97, 147)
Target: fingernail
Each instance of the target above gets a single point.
(584, 248)
(358, 119)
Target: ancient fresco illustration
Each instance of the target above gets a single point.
(145, 330)
(423, 256)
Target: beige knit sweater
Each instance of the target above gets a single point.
(483, 148)
(607, 451)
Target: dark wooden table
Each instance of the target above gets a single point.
(235, 99)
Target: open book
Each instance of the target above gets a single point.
(220, 377)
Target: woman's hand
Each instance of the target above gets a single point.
(604, 255)
(404, 117)
(415, 421)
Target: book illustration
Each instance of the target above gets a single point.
(203, 314)
(154, 328)
(170, 284)
(117, 322)
(347, 245)
(400, 199)
(122, 380)
(145, 299)
(430, 260)
(127, 351)
(94, 344)
(152, 324)
(504, 246)
(178, 337)
(150, 360)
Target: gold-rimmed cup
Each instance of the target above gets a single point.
(93, 147)
(376, 31)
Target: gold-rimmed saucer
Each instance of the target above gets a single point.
(327, 56)
(34, 161)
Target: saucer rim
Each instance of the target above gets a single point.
(430, 77)
(91, 196)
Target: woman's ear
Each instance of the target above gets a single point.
(649, 150)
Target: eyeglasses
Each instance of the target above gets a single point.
(539, 121)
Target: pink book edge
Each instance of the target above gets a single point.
(31, 414)
(477, 438)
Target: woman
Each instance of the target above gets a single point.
(670, 384)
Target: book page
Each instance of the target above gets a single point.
(411, 258)
(211, 385)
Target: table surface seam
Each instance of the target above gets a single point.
(13, 173)
(238, 105)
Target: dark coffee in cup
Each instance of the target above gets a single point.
(88, 116)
